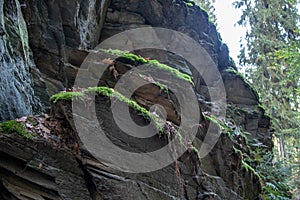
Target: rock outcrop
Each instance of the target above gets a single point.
(16, 93)
(55, 164)
(57, 29)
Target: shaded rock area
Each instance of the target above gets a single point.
(54, 163)
(37, 170)
(174, 15)
(244, 109)
(47, 168)
(56, 30)
(219, 175)
(16, 93)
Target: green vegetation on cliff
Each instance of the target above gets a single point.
(270, 57)
(138, 60)
(106, 91)
(114, 94)
(11, 127)
(67, 96)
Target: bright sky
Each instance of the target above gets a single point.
(227, 16)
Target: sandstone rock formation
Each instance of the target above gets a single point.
(16, 93)
(56, 165)
(57, 29)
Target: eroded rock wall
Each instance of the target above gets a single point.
(57, 29)
(172, 14)
(16, 64)
(61, 33)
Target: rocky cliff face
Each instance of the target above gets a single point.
(16, 93)
(57, 29)
(56, 165)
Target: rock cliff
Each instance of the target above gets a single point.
(16, 93)
(53, 162)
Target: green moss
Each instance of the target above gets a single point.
(190, 3)
(158, 126)
(11, 127)
(114, 94)
(134, 58)
(233, 71)
(126, 55)
(137, 60)
(106, 91)
(222, 125)
(263, 108)
(109, 92)
(214, 120)
(173, 71)
(196, 152)
(67, 96)
(162, 87)
(132, 104)
(179, 137)
(248, 168)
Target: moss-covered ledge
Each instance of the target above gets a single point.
(127, 57)
(84, 94)
(106, 91)
(14, 127)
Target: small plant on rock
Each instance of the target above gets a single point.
(11, 127)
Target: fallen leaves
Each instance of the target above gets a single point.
(111, 67)
(43, 127)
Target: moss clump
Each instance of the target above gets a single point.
(114, 94)
(189, 4)
(214, 120)
(173, 71)
(162, 87)
(132, 104)
(67, 96)
(109, 92)
(106, 91)
(140, 60)
(222, 125)
(134, 58)
(11, 127)
(126, 55)
(196, 151)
